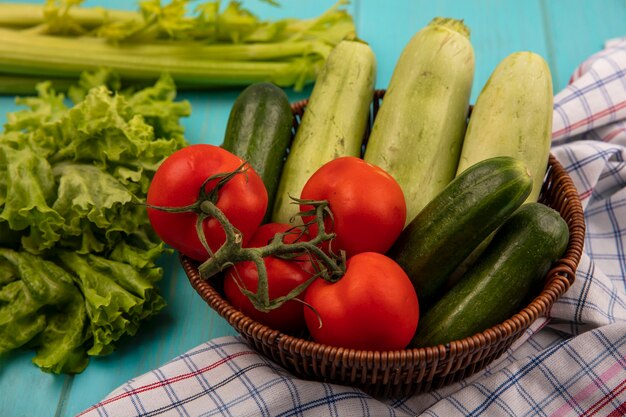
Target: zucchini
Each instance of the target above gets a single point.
(506, 274)
(418, 131)
(259, 130)
(513, 117)
(334, 122)
(456, 221)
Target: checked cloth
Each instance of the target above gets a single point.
(570, 363)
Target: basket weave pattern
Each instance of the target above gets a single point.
(403, 372)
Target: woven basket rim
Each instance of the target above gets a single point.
(557, 281)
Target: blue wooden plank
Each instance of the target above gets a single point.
(25, 391)
(497, 28)
(577, 29)
(7, 105)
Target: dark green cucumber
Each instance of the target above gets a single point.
(457, 220)
(259, 130)
(506, 274)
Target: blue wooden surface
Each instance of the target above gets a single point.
(563, 31)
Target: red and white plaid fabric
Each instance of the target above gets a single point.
(572, 363)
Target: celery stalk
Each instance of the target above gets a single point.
(68, 57)
(214, 48)
(179, 50)
(23, 84)
(17, 15)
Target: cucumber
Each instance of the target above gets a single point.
(418, 131)
(456, 221)
(513, 116)
(259, 130)
(334, 122)
(507, 273)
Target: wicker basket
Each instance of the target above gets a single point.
(396, 373)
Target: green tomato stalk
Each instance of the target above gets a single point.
(329, 266)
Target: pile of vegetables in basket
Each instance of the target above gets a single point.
(427, 232)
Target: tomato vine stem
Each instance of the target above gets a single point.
(328, 265)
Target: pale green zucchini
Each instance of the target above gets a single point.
(513, 117)
(334, 122)
(419, 129)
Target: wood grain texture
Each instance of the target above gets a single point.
(563, 31)
(576, 29)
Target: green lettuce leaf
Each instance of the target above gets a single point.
(28, 189)
(78, 258)
(95, 207)
(46, 107)
(118, 296)
(60, 347)
(41, 306)
(143, 254)
(89, 80)
(127, 135)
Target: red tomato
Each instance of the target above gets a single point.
(177, 183)
(368, 205)
(372, 307)
(283, 276)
